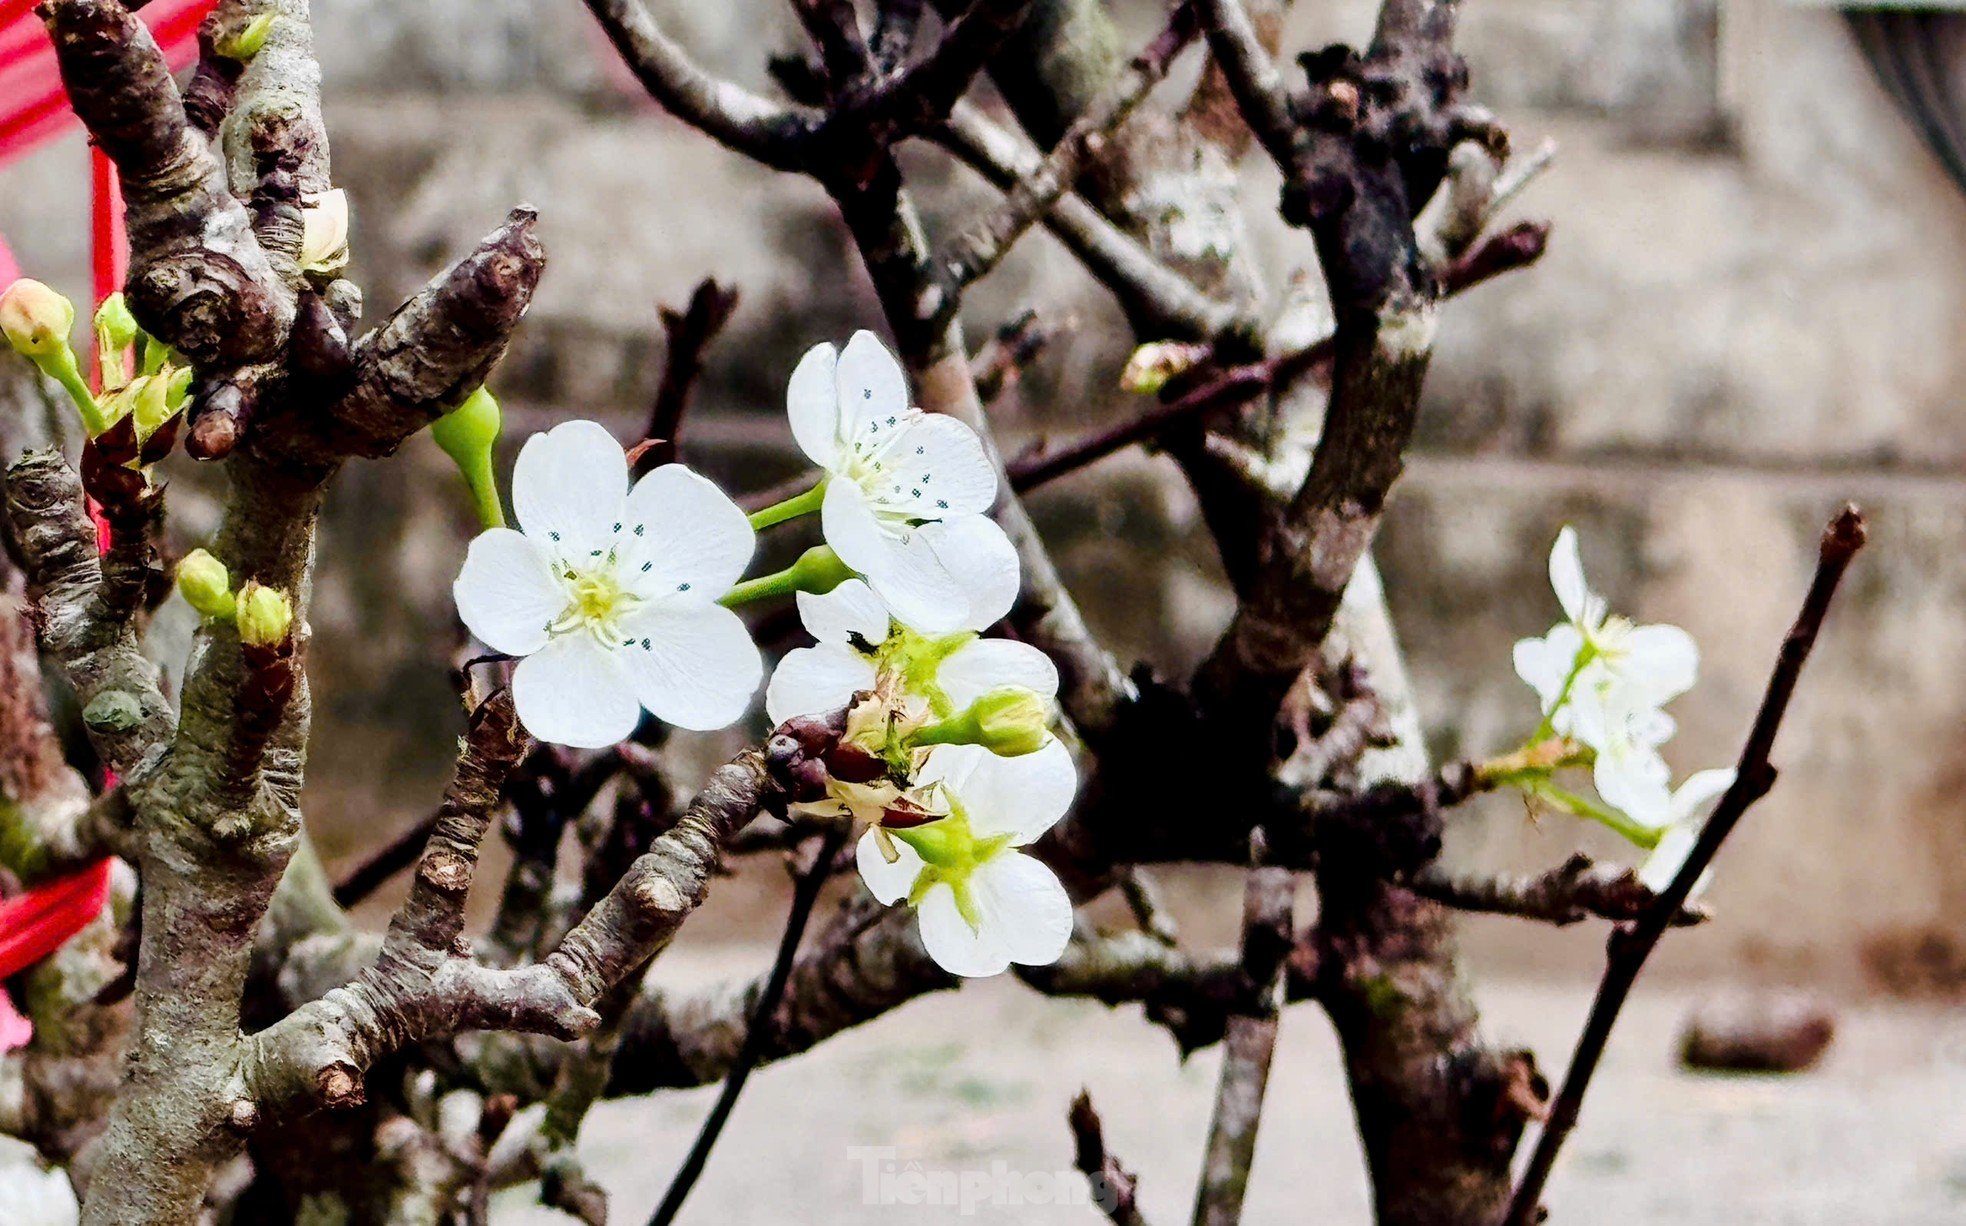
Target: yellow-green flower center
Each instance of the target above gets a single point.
(596, 603)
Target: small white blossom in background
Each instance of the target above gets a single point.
(1687, 817)
(981, 903)
(610, 593)
(1603, 680)
(861, 648)
(907, 493)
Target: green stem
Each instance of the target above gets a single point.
(484, 491)
(791, 508)
(818, 570)
(60, 366)
(1581, 806)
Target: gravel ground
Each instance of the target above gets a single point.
(969, 1091)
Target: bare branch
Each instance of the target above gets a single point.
(751, 125)
(1572, 891)
(1114, 1188)
(978, 250)
(688, 331)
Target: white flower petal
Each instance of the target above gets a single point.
(898, 562)
(1633, 778)
(1545, 663)
(1699, 788)
(951, 766)
(692, 663)
(937, 469)
(812, 403)
(1567, 575)
(983, 563)
(1663, 865)
(849, 610)
(1022, 796)
(982, 665)
(955, 946)
(575, 692)
(1662, 662)
(681, 533)
(506, 592)
(889, 883)
(1022, 904)
(816, 681)
(871, 389)
(568, 487)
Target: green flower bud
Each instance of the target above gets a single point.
(246, 43)
(1154, 363)
(265, 616)
(35, 318)
(116, 330)
(206, 584)
(1008, 721)
(468, 435)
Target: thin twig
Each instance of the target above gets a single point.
(811, 880)
(688, 331)
(1114, 1188)
(1631, 946)
(979, 249)
(1249, 1044)
(1572, 891)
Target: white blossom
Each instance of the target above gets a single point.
(907, 493)
(981, 903)
(1687, 818)
(861, 647)
(610, 593)
(1602, 679)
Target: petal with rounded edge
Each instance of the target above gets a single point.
(981, 561)
(1662, 662)
(1022, 904)
(506, 593)
(575, 692)
(888, 883)
(1545, 663)
(816, 681)
(955, 946)
(692, 663)
(568, 487)
(849, 610)
(937, 469)
(1022, 796)
(871, 389)
(812, 402)
(900, 567)
(1698, 788)
(982, 665)
(1633, 779)
(681, 533)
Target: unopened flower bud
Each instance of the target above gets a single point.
(265, 616)
(324, 233)
(468, 434)
(35, 318)
(116, 330)
(1009, 721)
(206, 584)
(1154, 363)
(246, 43)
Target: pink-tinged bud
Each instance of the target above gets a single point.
(35, 319)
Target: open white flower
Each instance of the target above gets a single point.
(1596, 653)
(610, 593)
(907, 492)
(981, 904)
(1688, 819)
(1627, 769)
(861, 647)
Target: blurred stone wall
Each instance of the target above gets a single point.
(1751, 309)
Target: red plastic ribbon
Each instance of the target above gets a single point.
(37, 923)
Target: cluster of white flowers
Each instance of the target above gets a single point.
(1603, 682)
(614, 597)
